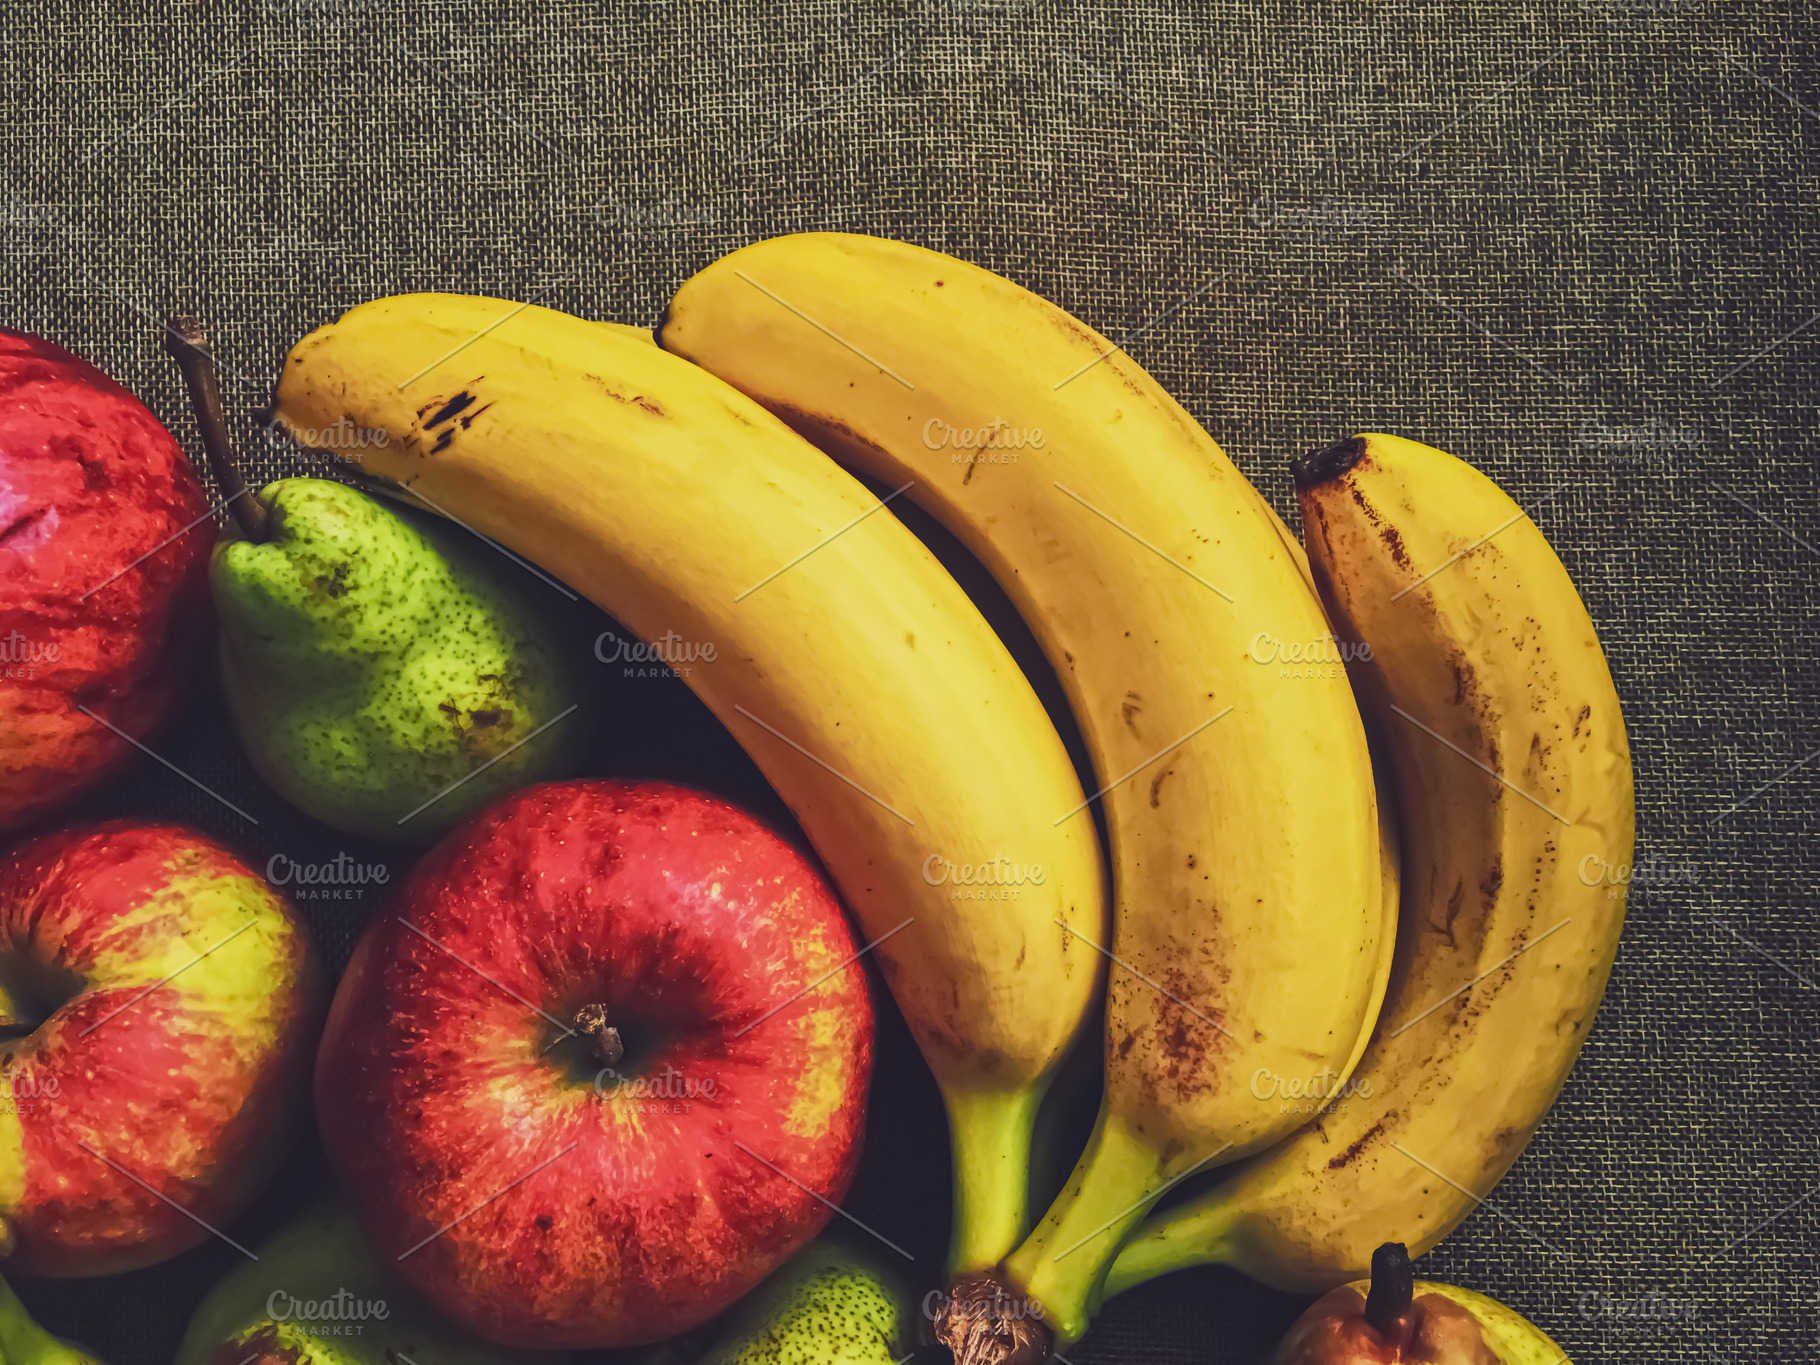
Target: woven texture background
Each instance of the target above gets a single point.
(1573, 244)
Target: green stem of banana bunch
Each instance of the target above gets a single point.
(990, 1132)
(1195, 1232)
(1061, 1264)
(24, 1342)
(20, 1337)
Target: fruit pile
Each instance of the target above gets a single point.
(1323, 887)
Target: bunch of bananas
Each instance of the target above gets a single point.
(1372, 1049)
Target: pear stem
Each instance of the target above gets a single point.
(188, 346)
(604, 1041)
(1393, 1290)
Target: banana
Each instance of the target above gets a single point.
(1487, 680)
(24, 1342)
(1390, 846)
(828, 640)
(1239, 803)
(642, 335)
(1390, 871)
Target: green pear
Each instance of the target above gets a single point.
(318, 1296)
(831, 1304)
(384, 670)
(24, 1342)
(383, 674)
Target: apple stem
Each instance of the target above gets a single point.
(188, 346)
(1393, 1290)
(605, 1042)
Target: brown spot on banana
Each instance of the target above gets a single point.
(1393, 541)
(832, 435)
(1454, 902)
(448, 411)
(1190, 1039)
(1353, 1151)
(1493, 883)
(1463, 680)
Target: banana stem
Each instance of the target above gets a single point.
(1063, 1262)
(1197, 1232)
(22, 1339)
(990, 1134)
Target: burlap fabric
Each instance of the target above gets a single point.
(1572, 243)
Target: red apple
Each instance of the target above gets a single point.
(1395, 1319)
(592, 1077)
(90, 484)
(160, 1001)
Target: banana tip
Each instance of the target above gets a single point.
(1328, 463)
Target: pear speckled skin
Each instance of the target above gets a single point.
(833, 1304)
(373, 660)
(317, 1295)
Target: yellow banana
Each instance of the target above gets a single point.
(641, 335)
(1390, 860)
(1243, 831)
(1390, 848)
(825, 637)
(1390, 865)
(1489, 686)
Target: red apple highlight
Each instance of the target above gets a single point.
(587, 1079)
(90, 483)
(159, 1002)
